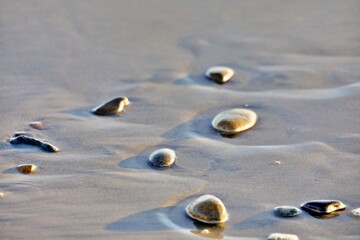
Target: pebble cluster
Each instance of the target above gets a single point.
(207, 208)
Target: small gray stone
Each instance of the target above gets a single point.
(286, 211)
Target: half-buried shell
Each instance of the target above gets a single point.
(207, 209)
(111, 107)
(164, 157)
(234, 121)
(219, 74)
(323, 206)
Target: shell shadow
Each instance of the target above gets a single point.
(166, 218)
(80, 112)
(158, 219)
(263, 220)
(11, 171)
(325, 216)
(139, 222)
(193, 128)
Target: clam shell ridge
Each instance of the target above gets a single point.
(164, 157)
(207, 209)
(111, 107)
(234, 121)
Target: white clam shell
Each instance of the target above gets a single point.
(220, 74)
(234, 121)
(282, 236)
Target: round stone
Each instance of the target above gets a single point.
(1, 194)
(111, 107)
(234, 121)
(207, 209)
(356, 212)
(323, 206)
(164, 157)
(286, 211)
(282, 236)
(26, 168)
(219, 74)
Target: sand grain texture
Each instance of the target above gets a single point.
(296, 65)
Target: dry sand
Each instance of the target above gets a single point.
(296, 64)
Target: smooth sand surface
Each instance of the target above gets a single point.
(296, 65)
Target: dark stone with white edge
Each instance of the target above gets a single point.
(111, 107)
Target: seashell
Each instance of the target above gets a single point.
(24, 139)
(164, 157)
(207, 209)
(356, 212)
(234, 121)
(282, 236)
(39, 125)
(111, 107)
(323, 206)
(286, 211)
(219, 74)
(1, 194)
(26, 168)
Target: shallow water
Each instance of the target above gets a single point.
(296, 65)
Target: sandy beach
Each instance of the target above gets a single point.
(296, 64)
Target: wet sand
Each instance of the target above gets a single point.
(296, 65)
